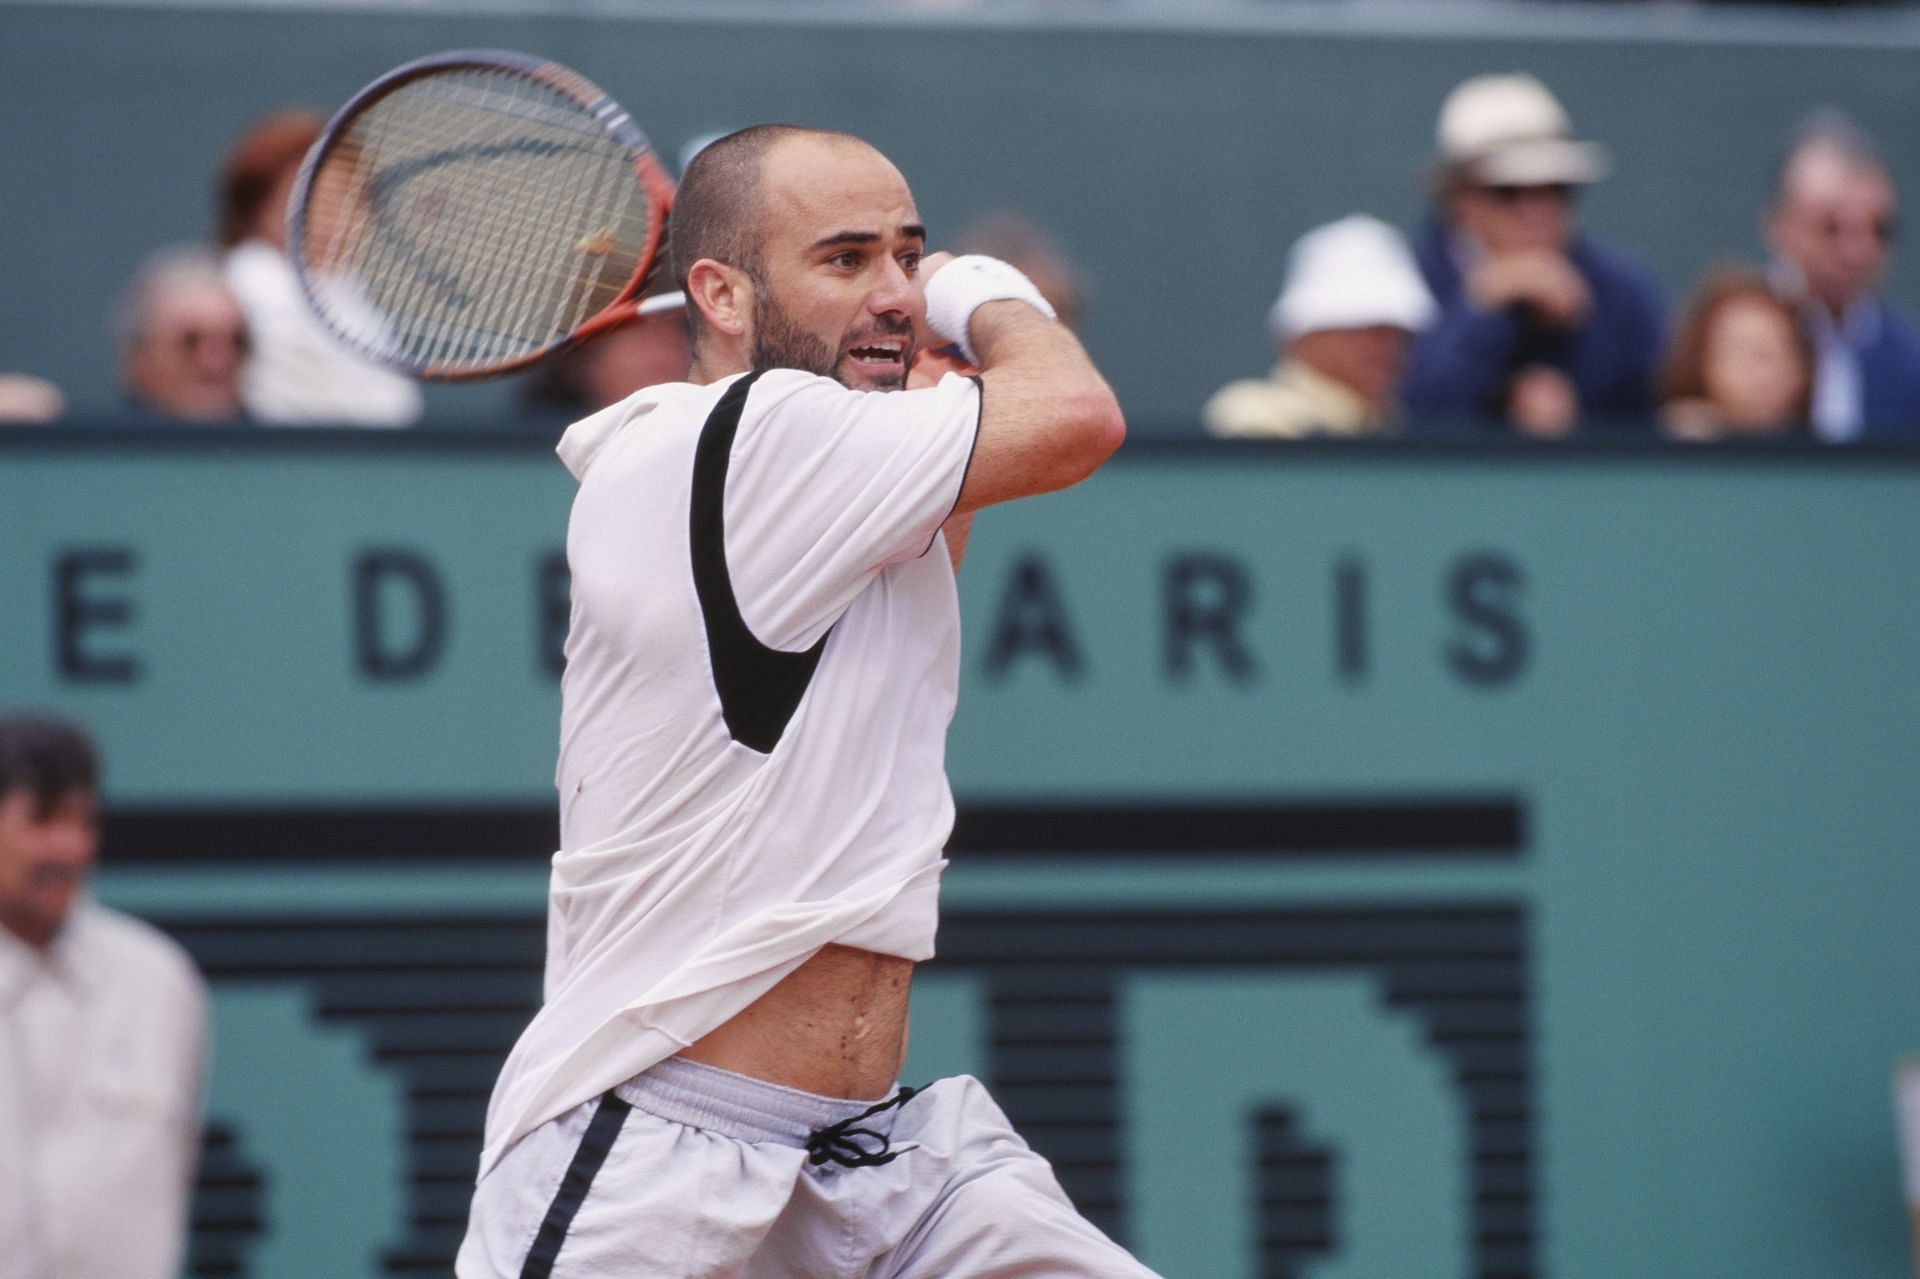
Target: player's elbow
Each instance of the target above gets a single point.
(1110, 425)
(1098, 428)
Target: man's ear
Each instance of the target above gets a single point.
(723, 293)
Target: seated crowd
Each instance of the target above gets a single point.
(1508, 318)
(1503, 317)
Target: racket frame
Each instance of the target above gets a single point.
(655, 184)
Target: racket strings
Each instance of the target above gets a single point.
(548, 201)
(489, 239)
(518, 204)
(478, 216)
(605, 192)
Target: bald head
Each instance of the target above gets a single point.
(798, 249)
(1826, 141)
(1833, 211)
(719, 211)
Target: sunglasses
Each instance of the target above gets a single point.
(194, 340)
(1560, 192)
(1883, 230)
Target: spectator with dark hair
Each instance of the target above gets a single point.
(102, 1038)
(1740, 365)
(1352, 300)
(1540, 327)
(1831, 228)
(183, 340)
(300, 375)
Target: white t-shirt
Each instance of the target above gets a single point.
(299, 373)
(753, 724)
(102, 1050)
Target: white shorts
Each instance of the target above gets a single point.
(690, 1172)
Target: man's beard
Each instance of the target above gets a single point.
(780, 343)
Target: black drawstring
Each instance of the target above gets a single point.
(836, 1141)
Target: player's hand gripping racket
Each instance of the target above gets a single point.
(468, 213)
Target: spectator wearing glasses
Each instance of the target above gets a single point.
(183, 340)
(1831, 229)
(1540, 327)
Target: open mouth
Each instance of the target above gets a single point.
(887, 354)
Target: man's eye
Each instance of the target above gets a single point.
(909, 262)
(847, 258)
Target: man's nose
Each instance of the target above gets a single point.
(894, 292)
(73, 842)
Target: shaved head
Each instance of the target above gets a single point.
(1828, 138)
(718, 211)
(1835, 212)
(798, 249)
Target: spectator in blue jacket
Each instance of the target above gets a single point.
(1541, 329)
(1831, 227)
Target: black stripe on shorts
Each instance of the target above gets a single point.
(601, 1130)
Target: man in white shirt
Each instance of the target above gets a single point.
(762, 663)
(102, 1039)
(300, 374)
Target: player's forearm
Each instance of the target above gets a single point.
(1045, 407)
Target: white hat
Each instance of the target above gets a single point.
(1348, 275)
(1509, 130)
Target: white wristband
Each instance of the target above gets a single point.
(971, 281)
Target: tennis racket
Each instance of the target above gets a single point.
(471, 213)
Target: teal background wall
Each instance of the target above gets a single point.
(1372, 862)
(1176, 149)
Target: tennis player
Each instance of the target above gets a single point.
(761, 668)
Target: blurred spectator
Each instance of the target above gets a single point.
(608, 369)
(102, 1039)
(1353, 298)
(300, 375)
(1015, 239)
(183, 339)
(1831, 228)
(1740, 364)
(1539, 326)
(26, 400)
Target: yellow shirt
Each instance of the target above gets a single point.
(1293, 401)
